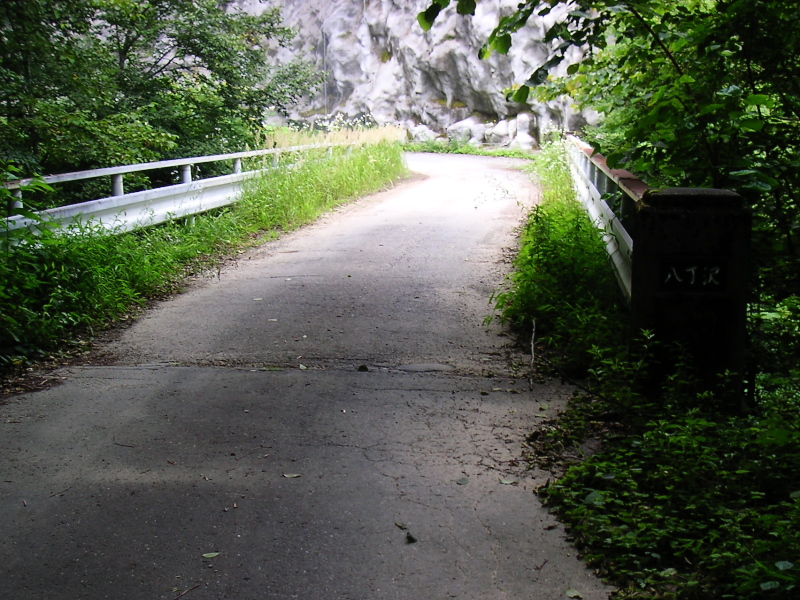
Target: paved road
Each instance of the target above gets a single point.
(327, 420)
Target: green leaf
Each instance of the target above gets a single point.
(463, 481)
(211, 555)
(570, 593)
(759, 100)
(595, 497)
(466, 7)
(538, 78)
(614, 159)
(428, 16)
(770, 585)
(521, 94)
(502, 44)
(758, 185)
(752, 124)
(710, 108)
(508, 481)
(784, 565)
(573, 68)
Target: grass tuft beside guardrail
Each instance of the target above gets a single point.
(56, 287)
(562, 282)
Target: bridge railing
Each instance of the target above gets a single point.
(125, 212)
(679, 254)
(610, 197)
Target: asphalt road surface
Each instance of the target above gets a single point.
(328, 419)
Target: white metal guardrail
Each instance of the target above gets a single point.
(609, 196)
(125, 212)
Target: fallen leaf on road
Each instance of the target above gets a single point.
(211, 555)
(402, 526)
(410, 539)
(573, 594)
(506, 481)
(463, 481)
(303, 368)
(291, 475)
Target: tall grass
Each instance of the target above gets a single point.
(562, 282)
(62, 284)
(285, 137)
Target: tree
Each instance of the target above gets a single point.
(91, 83)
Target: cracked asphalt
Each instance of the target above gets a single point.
(329, 419)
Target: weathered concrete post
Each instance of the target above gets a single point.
(690, 274)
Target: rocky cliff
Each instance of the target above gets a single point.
(381, 63)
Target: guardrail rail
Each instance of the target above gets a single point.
(124, 212)
(610, 197)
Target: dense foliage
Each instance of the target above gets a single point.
(95, 83)
(682, 502)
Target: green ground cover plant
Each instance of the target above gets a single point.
(452, 147)
(682, 501)
(58, 286)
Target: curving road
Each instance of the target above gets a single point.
(329, 419)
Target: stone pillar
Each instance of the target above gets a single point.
(690, 274)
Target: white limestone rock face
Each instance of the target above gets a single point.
(523, 139)
(470, 129)
(380, 62)
(421, 133)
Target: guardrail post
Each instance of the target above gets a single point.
(275, 160)
(14, 203)
(117, 188)
(690, 275)
(330, 151)
(186, 173)
(237, 165)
